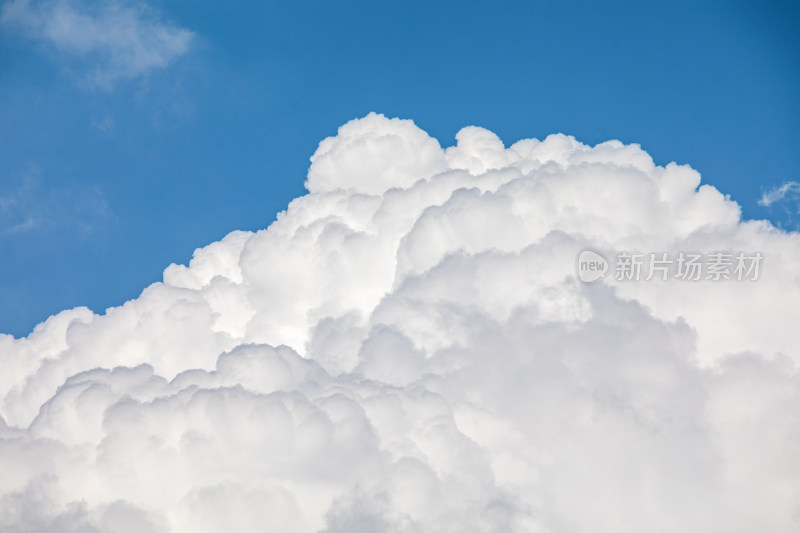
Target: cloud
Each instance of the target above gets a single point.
(122, 40)
(777, 194)
(407, 348)
(30, 207)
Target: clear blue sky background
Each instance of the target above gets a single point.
(113, 184)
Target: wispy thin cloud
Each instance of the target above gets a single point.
(120, 40)
(106, 124)
(30, 206)
(776, 194)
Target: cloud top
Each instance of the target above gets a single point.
(407, 348)
(373, 154)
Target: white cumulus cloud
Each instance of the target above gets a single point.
(123, 40)
(407, 348)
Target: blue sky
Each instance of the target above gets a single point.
(115, 163)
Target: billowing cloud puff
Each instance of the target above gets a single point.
(408, 348)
